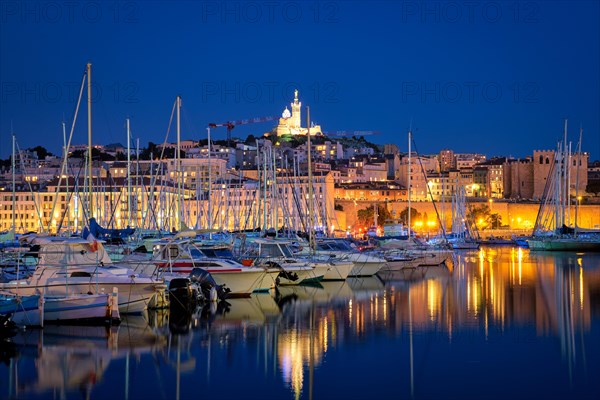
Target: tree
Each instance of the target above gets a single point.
(250, 140)
(151, 149)
(338, 207)
(495, 220)
(483, 218)
(220, 142)
(6, 163)
(41, 152)
(414, 215)
(366, 216)
(478, 216)
(96, 155)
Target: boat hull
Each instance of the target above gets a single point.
(134, 296)
(305, 274)
(428, 258)
(244, 283)
(563, 245)
(392, 269)
(338, 271)
(81, 309)
(241, 281)
(465, 245)
(25, 310)
(366, 268)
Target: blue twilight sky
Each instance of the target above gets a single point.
(493, 77)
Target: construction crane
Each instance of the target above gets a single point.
(232, 124)
(343, 134)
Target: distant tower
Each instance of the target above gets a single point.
(446, 159)
(296, 105)
(291, 123)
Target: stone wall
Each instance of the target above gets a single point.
(518, 216)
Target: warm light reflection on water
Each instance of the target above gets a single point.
(497, 310)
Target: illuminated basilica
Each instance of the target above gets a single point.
(290, 122)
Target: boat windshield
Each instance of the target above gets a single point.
(340, 245)
(286, 250)
(270, 250)
(195, 253)
(275, 250)
(217, 253)
(324, 246)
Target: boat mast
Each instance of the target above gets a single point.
(565, 180)
(578, 161)
(178, 174)
(275, 193)
(65, 172)
(264, 174)
(14, 226)
(137, 183)
(311, 238)
(209, 177)
(409, 177)
(128, 175)
(89, 87)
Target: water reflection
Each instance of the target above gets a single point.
(292, 342)
(72, 359)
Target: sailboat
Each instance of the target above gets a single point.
(7, 239)
(410, 248)
(461, 236)
(75, 275)
(551, 231)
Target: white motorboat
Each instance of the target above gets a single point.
(397, 260)
(276, 254)
(365, 264)
(75, 266)
(182, 256)
(427, 255)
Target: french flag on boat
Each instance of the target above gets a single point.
(87, 235)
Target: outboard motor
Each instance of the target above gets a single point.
(211, 291)
(182, 293)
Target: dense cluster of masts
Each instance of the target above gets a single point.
(161, 203)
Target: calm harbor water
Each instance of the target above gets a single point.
(500, 323)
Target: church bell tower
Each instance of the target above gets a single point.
(296, 105)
